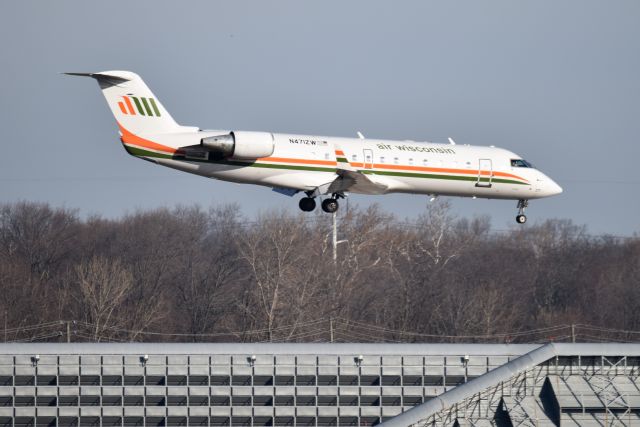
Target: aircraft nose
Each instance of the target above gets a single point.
(554, 188)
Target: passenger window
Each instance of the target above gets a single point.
(395, 160)
(425, 162)
(411, 161)
(382, 159)
(354, 157)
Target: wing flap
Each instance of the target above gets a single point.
(355, 182)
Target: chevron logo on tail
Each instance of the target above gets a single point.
(143, 106)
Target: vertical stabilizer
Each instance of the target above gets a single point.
(132, 103)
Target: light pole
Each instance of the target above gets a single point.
(335, 240)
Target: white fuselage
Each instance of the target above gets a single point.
(304, 163)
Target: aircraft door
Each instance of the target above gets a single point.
(485, 173)
(367, 160)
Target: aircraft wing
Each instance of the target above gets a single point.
(350, 179)
(354, 182)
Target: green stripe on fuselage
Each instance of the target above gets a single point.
(141, 152)
(436, 176)
(144, 153)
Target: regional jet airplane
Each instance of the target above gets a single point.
(317, 165)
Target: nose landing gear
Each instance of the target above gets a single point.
(521, 218)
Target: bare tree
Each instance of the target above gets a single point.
(102, 287)
(194, 274)
(208, 267)
(271, 253)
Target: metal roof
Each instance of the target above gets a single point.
(504, 372)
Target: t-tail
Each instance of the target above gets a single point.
(132, 103)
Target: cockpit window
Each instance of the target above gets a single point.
(520, 163)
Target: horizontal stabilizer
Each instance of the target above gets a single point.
(110, 78)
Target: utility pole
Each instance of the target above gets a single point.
(334, 239)
(68, 331)
(573, 333)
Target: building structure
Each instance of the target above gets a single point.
(318, 384)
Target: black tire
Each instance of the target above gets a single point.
(521, 219)
(330, 205)
(307, 204)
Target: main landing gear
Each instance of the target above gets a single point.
(307, 204)
(330, 205)
(522, 204)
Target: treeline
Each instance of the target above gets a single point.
(195, 274)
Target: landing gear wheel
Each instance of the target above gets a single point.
(522, 205)
(330, 205)
(307, 204)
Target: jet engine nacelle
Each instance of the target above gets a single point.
(241, 144)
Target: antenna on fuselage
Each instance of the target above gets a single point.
(451, 141)
(360, 135)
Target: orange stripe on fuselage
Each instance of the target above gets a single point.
(445, 170)
(340, 152)
(121, 105)
(436, 170)
(130, 138)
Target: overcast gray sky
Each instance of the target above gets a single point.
(557, 82)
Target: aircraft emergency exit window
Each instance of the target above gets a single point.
(520, 163)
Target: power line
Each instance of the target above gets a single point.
(319, 330)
